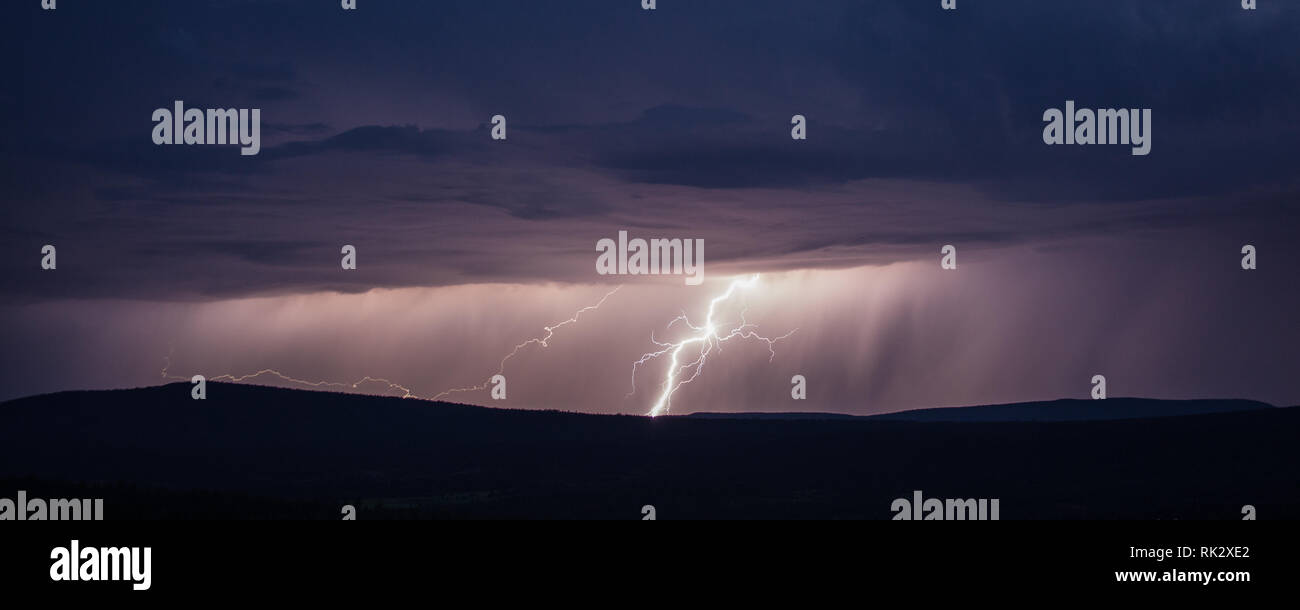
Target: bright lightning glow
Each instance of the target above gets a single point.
(687, 357)
(542, 340)
(699, 345)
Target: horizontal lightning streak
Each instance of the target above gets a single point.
(543, 340)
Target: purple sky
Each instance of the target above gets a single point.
(924, 130)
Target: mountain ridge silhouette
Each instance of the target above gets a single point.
(263, 452)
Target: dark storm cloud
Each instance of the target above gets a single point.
(301, 130)
(945, 101)
(924, 126)
(269, 72)
(274, 94)
(408, 139)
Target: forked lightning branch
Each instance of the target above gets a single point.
(724, 319)
(687, 356)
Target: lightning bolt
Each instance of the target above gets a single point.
(391, 386)
(543, 340)
(702, 342)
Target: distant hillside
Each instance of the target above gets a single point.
(250, 451)
(1045, 411)
(774, 416)
(1077, 410)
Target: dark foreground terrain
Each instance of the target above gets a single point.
(258, 452)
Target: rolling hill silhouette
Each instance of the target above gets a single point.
(1055, 410)
(262, 452)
